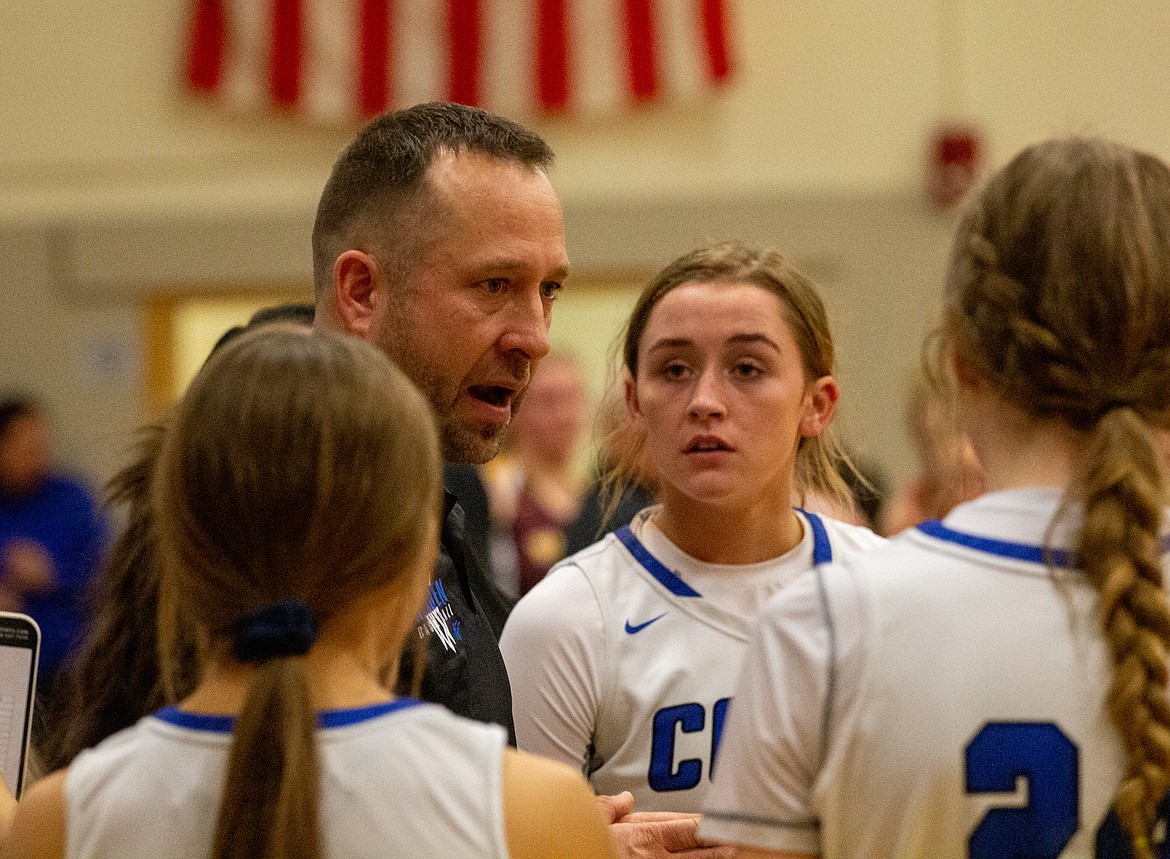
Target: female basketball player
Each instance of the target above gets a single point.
(623, 661)
(995, 684)
(297, 501)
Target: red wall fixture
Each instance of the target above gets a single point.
(956, 153)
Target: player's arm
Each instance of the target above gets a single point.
(550, 811)
(553, 645)
(38, 827)
(773, 744)
(7, 807)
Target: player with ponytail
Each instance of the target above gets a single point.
(995, 684)
(297, 501)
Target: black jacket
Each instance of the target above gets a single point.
(464, 669)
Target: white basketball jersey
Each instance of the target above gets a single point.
(397, 779)
(943, 696)
(623, 661)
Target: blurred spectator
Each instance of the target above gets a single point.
(593, 521)
(51, 537)
(123, 593)
(606, 506)
(868, 491)
(870, 487)
(948, 470)
(535, 490)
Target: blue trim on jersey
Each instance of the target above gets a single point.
(654, 566)
(196, 721)
(822, 554)
(325, 719)
(1005, 549)
(1002, 548)
(342, 718)
(822, 548)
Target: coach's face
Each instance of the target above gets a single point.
(468, 316)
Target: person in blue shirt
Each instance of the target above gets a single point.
(52, 536)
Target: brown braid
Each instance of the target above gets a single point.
(1059, 295)
(1120, 554)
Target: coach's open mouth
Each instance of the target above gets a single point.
(495, 395)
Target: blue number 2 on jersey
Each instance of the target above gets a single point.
(1040, 752)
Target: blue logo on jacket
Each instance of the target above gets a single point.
(438, 618)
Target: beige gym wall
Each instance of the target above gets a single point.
(113, 187)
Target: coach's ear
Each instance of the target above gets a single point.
(356, 279)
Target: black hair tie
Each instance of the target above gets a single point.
(286, 628)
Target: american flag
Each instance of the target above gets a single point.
(344, 60)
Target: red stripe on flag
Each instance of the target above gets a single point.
(715, 36)
(374, 57)
(464, 38)
(553, 55)
(285, 60)
(205, 53)
(643, 66)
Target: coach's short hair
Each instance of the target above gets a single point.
(384, 169)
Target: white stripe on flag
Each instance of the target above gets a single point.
(329, 68)
(249, 41)
(597, 66)
(682, 50)
(419, 51)
(509, 56)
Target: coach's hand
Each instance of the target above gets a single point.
(655, 834)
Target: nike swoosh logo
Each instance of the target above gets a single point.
(634, 630)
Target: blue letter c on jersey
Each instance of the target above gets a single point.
(663, 777)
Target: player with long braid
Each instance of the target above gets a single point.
(996, 684)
